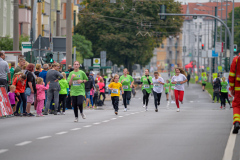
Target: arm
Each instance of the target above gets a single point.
(122, 90)
(9, 78)
(30, 86)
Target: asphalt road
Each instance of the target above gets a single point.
(200, 131)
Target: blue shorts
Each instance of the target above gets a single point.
(88, 95)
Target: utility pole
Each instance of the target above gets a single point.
(69, 33)
(215, 39)
(225, 55)
(39, 18)
(231, 58)
(221, 36)
(198, 54)
(15, 25)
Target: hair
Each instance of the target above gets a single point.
(96, 81)
(147, 69)
(64, 75)
(17, 74)
(49, 65)
(223, 79)
(30, 67)
(167, 80)
(87, 73)
(45, 66)
(181, 71)
(77, 61)
(156, 73)
(101, 80)
(55, 65)
(39, 80)
(125, 68)
(12, 87)
(98, 74)
(1, 53)
(21, 59)
(23, 76)
(38, 67)
(12, 64)
(112, 80)
(25, 66)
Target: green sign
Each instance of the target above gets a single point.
(220, 68)
(208, 69)
(214, 75)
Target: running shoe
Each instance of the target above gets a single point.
(83, 116)
(58, 113)
(37, 115)
(181, 102)
(116, 112)
(172, 101)
(76, 119)
(212, 101)
(24, 115)
(125, 110)
(158, 103)
(63, 113)
(30, 115)
(236, 128)
(221, 107)
(55, 113)
(144, 106)
(16, 114)
(44, 113)
(178, 110)
(41, 115)
(156, 110)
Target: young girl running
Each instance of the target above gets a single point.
(40, 87)
(166, 88)
(146, 81)
(179, 79)
(76, 80)
(115, 87)
(224, 93)
(158, 83)
(63, 94)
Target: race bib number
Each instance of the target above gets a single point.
(178, 83)
(75, 83)
(146, 86)
(156, 85)
(125, 87)
(115, 91)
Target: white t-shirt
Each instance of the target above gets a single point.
(179, 78)
(157, 87)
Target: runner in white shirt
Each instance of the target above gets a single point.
(158, 83)
(179, 79)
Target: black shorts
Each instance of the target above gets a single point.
(166, 93)
(203, 84)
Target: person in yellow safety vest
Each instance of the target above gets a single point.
(234, 81)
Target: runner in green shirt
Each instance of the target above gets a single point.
(146, 81)
(204, 81)
(76, 80)
(224, 93)
(127, 82)
(172, 92)
(166, 88)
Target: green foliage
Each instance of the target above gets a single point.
(6, 43)
(113, 28)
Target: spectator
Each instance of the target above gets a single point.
(44, 73)
(60, 68)
(12, 96)
(38, 70)
(102, 89)
(70, 69)
(49, 65)
(188, 78)
(4, 68)
(92, 78)
(20, 66)
(96, 94)
(20, 83)
(24, 67)
(98, 77)
(63, 94)
(53, 76)
(31, 83)
(104, 79)
(12, 70)
(88, 87)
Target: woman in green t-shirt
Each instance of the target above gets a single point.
(224, 93)
(76, 80)
(146, 82)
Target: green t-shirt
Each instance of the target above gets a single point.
(145, 84)
(77, 89)
(63, 85)
(12, 73)
(172, 86)
(127, 82)
(204, 80)
(166, 85)
(224, 87)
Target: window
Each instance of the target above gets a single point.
(195, 38)
(196, 25)
(200, 38)
(200, 25)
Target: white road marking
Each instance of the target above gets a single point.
(127, 114)
(88, 126)
(97, 123)
(228, 153)
(3, 150)
(113, 118)
(44, 137)
(23, 143)
(106, 121)
(120, 116)
(60, 133)
(75, 129)
(137, 112)
(132, 113)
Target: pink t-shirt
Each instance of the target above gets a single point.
(101, 87)
(92, 92)
(11, 97)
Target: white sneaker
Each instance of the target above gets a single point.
(58, 113)
(172, 101)
(178, 110)
(144, 106)
(125, 110)
(63, 113)
(182, 102)
(76, 119)
(83, 116)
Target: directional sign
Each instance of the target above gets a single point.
(103, 56)
(219, 47)
(26, 46)
(96, 62)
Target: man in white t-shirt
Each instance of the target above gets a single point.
(158, 83)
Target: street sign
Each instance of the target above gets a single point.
(87, 63)
(219, 47)
(204, 54)
(96, 62)
(103, 56)
(214, 54)
(26, 47)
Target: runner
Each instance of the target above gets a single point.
(158, 83)
(115, 87)
(224, 93)
(204, 81)
(172, 92)
(179, 79)
(127, 83)
(166, 88)
(146, 81)
(76, 80)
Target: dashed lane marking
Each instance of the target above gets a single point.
(60, 133)
(87, 126)
(132, 113)
(228, 153)
(105, 121)
(44, 137)
(97, 123)
(75, 129)
(120, 116)
(3, 150)
(23, 143)
(113, 118)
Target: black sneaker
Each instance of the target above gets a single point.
(30, 115)
(156, 110)
(44, 113)
(236, 128)
(55, 113)
(158, 103)
(25, 114)
(116, 112)
(16, 114)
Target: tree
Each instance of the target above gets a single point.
(6, 43)
(114, 27)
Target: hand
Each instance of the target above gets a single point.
(48, 82)
(79, 81)
(122, 92)
(181, 82)
(122, 81)
(32, 91)
(232, 92)
(44, 83)
(9, 82)
(73, 75)
(131, 86)
(56, 80)
(18, 94)
(17, 99)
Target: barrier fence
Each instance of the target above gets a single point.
(5, 106)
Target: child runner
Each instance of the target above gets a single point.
(12, 95)
(146, 81)
(179, 79)
(204, 81)
(63, 94)
(166, 88)
(76, 80)
(40, 87)
(158, 83)
(115, 87)
(224, 93)
(172, 92)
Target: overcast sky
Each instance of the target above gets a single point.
(201, 0)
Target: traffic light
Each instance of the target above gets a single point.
(51, 58)
(202, 46)
(235, 48)
(162, 10)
